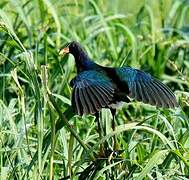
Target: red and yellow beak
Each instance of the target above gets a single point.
(64, 51)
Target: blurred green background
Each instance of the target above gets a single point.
(152, 35)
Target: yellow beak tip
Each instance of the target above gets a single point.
(64, 51)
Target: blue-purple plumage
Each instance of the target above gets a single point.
(96, 86)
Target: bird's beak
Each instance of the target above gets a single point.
(64, 51)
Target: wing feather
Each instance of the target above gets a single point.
(104, 97)
(83, 102)
(145, 93)
(142, 92)
(143, 87)
(157, 97)
(96, 92)
(138, 93)
(93, 100)
(152, 97)
(162, 96)
(78, 103)
(92, 91)
(169, 97)
(88, 101)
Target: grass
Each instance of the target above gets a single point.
(41, 138)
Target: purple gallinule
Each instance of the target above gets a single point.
(96, 87)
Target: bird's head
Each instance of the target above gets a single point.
(82, 60)
(73, 48)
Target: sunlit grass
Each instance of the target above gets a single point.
(40, 136)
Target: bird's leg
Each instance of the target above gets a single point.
(113, 112)
(98, 125)
(100, 133)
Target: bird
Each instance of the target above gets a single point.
(96, 87)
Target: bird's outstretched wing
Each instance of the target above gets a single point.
(92, 90)
(143, 87)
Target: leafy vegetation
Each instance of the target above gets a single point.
(40, 136)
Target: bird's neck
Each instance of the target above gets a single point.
(83, 62)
